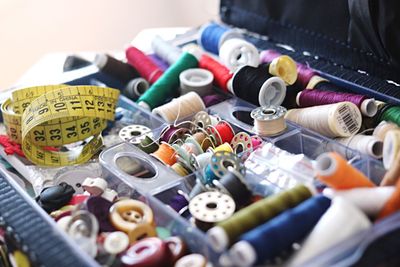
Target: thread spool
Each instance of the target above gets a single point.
(115, 68)
(235, 53)
(304, 73)
(368, 200)
(222, 74)
(322, 84)
(165, 50)
(257, 86)
(242, 144)
(211, 100)
(383, 128)
(190, 147)
(167, 86)
(269, 121)
(334, 171)
(221, 133)
(201, 161)
(159, 62)
(339, 222)
(226, 232)
(225, 147)
(180, 107)
(392, 113)
(166, 154)
(260, 244)
(148, 145)
(211, 207)
(393, 174)
(366, 144)
(196, 80)
(391, 148)
(143, 64)
(334, 120)
(213, 35)
(310, 98)
(179, 202)
(285, 68)
(135, 88)
(180, 169)
(171, 133)
(392, 205)
(218, 167)
(135, 133)
(234, 184)
(202, 120)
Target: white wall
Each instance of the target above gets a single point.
(30, 29)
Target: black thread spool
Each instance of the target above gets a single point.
(233, 183)
(291, 95)
(119, 70)
(258, 86)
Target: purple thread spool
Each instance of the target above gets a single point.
(159, 62)
(210, 100)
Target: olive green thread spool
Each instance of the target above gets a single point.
(148, 145)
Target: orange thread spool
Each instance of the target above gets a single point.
(333, 170)
(166, 154)
(392, 205)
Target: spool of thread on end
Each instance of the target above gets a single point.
(391, 148)
(115, 68)
(285, 68)
(135, 88)
(222, 74)
(167, 85)
(269, 121)
(196, 80)
(235, 53)
(383, 128)
(213, 35)
(334, 171)
(180, 107)
(289, 227)
(165, 50)
(366, 144)
(334, 120)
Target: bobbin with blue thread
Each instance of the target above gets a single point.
(269, 120)
(135, 133)
(242, 143)
(220, 161)
(211, 207)
(234, 184)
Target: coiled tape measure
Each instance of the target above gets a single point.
(57, 115)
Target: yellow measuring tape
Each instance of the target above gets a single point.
(57, 115)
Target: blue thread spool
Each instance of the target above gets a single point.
(213, 35)
(269, 240)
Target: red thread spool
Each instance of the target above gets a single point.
(222, 75)
(143, 64)
(225, 131)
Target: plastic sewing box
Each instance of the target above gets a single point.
(318, 37)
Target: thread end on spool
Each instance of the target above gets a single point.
(144, 105)
(243, 254)
(368, 107)
(219, 238)
(272, 92)
(325, 164)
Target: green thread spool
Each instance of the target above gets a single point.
(226, 232)
(148, 145)
(391, 114)
(167, 86)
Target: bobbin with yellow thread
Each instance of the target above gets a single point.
(284, 67)
(57, 115)
(134, 218)
(225, 147)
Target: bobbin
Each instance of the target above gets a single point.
(170, 134)
(200, 161)
(221, 160)
(135, 133)
(242, 143)
(285, 68)
(197, 80)
(170, 159)
(202, 119)
(216, 135)
(238, 52)
(212, 207)
(269, 121)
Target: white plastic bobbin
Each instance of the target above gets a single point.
(269, 121)
(116, 242)
(197, 80)
(212, 207)
(272, 92)
(135, 133)
(238, 52)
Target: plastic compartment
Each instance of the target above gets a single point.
(237, 112)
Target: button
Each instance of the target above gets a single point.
(94, 186)
(109, 194)
(100, 208)
(116, 242)
(54, 197)
(192, 260)
(148, 252)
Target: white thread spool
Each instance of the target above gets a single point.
(334, 120)
(196, 80)
(269, 121)
(383, 128)
(339, 222)
(180, 107)
(136, 87)
(366, 144)
(391, 148)
(165, 50)
(235, 53)
(369, 200)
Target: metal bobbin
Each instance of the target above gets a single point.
(242, 144)
(221, 160)
(135, 133)
(269, 120)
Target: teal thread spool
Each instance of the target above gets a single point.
(226, 232)
(391, 114)
(167, 86)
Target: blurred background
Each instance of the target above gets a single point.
(30, 29)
